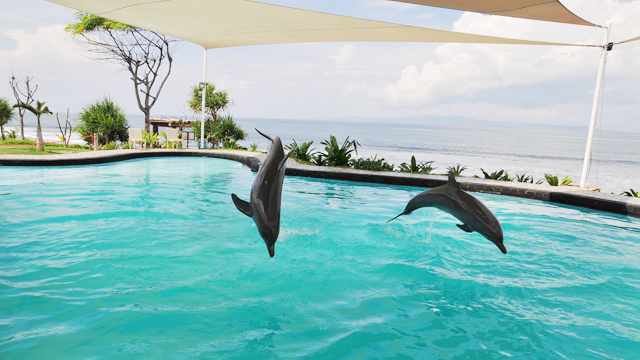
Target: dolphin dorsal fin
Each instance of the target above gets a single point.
(267, 136)
(452, 181)
(241, 205)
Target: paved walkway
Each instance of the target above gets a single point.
(568, 195)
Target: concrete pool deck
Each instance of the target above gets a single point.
(567, 195)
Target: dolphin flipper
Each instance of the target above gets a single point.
(241, 205)
(283, 162)
(464, 227)
(268, 137)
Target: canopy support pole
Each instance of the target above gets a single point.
(204, 97)
(594, 110)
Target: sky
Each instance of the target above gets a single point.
(513, 83)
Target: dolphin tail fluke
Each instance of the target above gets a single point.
(272, 250)
(241, 205)
(267, 136)
(397, 216)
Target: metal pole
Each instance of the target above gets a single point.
(204, 96)
(594, 109)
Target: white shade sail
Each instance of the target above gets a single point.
(546, 10)
(228, 23)
(630, 40)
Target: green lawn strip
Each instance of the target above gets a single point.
(30, 150)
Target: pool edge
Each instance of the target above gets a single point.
(566, 195)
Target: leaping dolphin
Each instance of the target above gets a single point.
(266, 192)
(464, 207)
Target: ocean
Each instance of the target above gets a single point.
(535, 150)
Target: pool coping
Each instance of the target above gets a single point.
(567, 195)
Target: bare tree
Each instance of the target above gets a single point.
(24, 97)
(145, 54)
(65, 135)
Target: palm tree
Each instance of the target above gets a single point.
(6, 114)
(215, 100)
(39, 110)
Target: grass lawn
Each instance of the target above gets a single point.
(31, 149)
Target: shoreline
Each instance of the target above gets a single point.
(566, 195)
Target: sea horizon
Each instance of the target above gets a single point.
(534, 149)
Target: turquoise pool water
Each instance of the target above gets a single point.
(150, 259)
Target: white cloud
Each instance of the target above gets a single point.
(463, 70)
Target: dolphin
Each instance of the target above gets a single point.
(266, 193)
(464, 207)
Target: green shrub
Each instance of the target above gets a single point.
(424, 167)
(254, 147)
(496, 175)
(372, 164)
(457, 169)
(631, 193)
(301, 152)
(319, 160)
(113, 145)
(221, 131)
(337, 155)
(553, 180)
(524, 178)
(150, 138)
(6, 114)
(105, 118)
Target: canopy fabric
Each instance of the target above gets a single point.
(228, 23)
(546, 10)
(629, 40)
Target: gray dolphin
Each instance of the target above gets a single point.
(464, 207)
(266, 192)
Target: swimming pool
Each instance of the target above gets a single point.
(149, 258)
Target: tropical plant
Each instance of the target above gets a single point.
(506, 177)
(301, 151)
(254, 147)
(553, 180)
(11, 134)
(424, 167)
(208, 129)
(221, 131)
(232, 144)
(6, 114)
(337, 155)
(150, 138)
(372, 163)
(631, 193)
(145, 54)
(215, 101)
(457, 169)
(226, 130)
(113, 145)
(319, 159)
(39, 110)
(496, 175)
(104, 118)
(524, 178)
